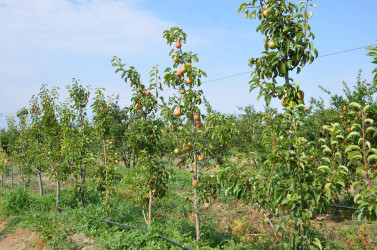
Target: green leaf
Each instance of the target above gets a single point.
(323, 167)
(366, 108)
(326, 159)
(354, 133)
(352, 147)
(343, 167)
(358, 196)
(372, 158)
(355, 105)
(341, 183)
(370, 121)
(317, 243)
(354, 155)
(276, 228)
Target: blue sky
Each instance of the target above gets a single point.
(52, 41)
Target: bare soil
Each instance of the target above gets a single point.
(22, 239)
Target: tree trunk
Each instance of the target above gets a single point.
(2, 180)
(40, 183)
(125, 162)
(196, 177)
(134, 160)
(107, 194)
(57, 193)
(26, 183)
(150, 209)
(81, 190)
(12, 178)
(293, 185)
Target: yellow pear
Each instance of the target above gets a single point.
(272, 45)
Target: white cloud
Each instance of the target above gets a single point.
(96, 26)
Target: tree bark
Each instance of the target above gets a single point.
(150, 209)
(26, 183)
(12, 178)
(40, 183)
(57, 193)
(107, 194)
(196, 176)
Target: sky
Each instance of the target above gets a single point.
(53, 41)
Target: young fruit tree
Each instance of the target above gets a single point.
(186, 105)
(144, 137)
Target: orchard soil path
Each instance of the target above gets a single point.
(20, 239)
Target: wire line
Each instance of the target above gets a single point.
(244, 73)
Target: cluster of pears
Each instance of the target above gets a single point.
(183, 69)
(294, 96)
(271, 44)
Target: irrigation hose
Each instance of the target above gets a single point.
(135, 227)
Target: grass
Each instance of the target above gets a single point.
(227, 223)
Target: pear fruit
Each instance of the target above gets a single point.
(265, 12)
(189, 80)
(178, 44)
(178, 112)
(272, 45)
(201, 157)
(183, 69)
(199, 125)
(176, 58)
(179, 73)
(284, 101)
(300, 95)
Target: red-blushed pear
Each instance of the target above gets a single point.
(178, 44)
(194, 182)
(199, 125)
(85, 97)
(179, 73)
(178, 112)
(214, 195)
(147, 92)
(189, 80)
(182, 91)
(196, 117)
(183, 69)
(53, 169)
(137, 106)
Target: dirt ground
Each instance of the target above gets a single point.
(22, 239)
